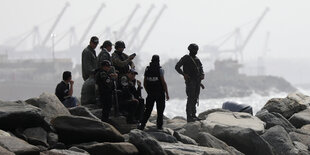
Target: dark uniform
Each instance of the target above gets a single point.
(89, 62)
(193, 68)
(127, 105)
(121, 62)
(105, 87)
(155, 93)
(103, 55)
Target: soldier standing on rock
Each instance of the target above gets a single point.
(193, 74)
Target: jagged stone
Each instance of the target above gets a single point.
(284, 106)
(18, 146)
(185, 149)
(4, 151)
(303, 138)
(301, 118)
(245, 140)
(145, 143)
(175, 123)
(191, 129)
(204, 114)
(229, 119)
(122, 148)
(280, 141)
(82, 111)
(50, 105)
(76, 129)
(299, 98)
(206, 139)
(63, 152)
(184, 139)
(36, 136)
(163, 137)
(273, 119)
(20, 115)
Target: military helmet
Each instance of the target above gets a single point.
(120, 44)
(193, 47)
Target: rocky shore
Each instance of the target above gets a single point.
(43, 126)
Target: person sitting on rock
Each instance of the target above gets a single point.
(64, 90)
(131, 102)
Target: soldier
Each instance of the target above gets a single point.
(131, 101)
(156, 87)
(193, 74)
(106, 48)
(120, 60)
(104, 82)
(89, 59)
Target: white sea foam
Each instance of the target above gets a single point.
(176, 107)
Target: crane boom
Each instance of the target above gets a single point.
(253, 30)
(121, 32)
(55, 24)
(141, 24)
(91, 24)
(152, 27)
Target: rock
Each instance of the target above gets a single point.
(76, 149)
(4, 151)
(284, 106)
(273, 119)
(96, 112)
(280, 141)
(122, 148)
(163, 137)
(76, 129)
(204, 114)
(145, 143)
(3, 133)
(301, 118)
(300, 146)
(121, 125)
(303, 138)
(18, 146)
(229, 119)
(206, 139)
(191, 129)
(82, 111)
(52, 139)
(245, 140)
(299, 98)
(306, 129)
(63, 152)
(36, 136)
(175, 123)
(185, 149)
(184, 139)
(50, 105)
(19, 115)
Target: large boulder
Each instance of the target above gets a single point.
(18, 146)
(284, 106)
(121, 124)
(4, 151)
(185, 149)
(50, 105)
(122, 148)
(299, 98)
(163, 137)
(36, 136)
(145, 143)
(229, 119)
(204, 114)
(19, 115)
(176, 123)
(245, 140)
(63, 152)
(302, 138)
(76, 129)
(206, 139)
(82, 111)
(280, 141)
(301, 118)
(184, 139)
(192, 129)
(273, 119)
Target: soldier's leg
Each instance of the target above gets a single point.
(196, 91)
(190, 105)
(148, 110)
(140, 110)
(160, 106)
(132, 106)
(106, 101)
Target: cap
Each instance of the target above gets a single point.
(94, 39)
(105, 63)
(133, 71)
(155, 58)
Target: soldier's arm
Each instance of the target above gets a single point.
(118, 62)
(201, 70)
(163, 81)
(179, 65)
(87, 62)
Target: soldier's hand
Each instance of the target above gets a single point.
(167, 97)
(186, 77)
(71, 82)
(139, 83)
(202, 77)
(131, 57)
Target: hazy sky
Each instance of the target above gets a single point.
(183, 22)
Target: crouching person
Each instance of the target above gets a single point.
(64, 90)
(131, 102)
(104, 82)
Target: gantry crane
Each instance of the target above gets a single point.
(122, 30)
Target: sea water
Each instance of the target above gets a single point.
(176, 107)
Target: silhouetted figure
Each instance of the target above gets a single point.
(89, 58)
(121, 61)
(193, 74)
(64, 90)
